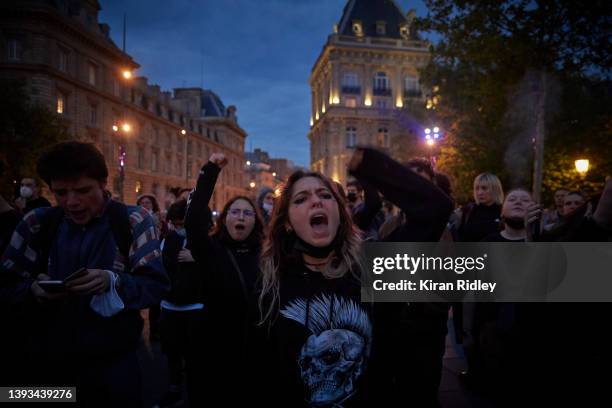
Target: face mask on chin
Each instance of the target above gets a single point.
(267, 207)
(26, 192)
(352, 197)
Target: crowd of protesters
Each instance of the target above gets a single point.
(261, 305)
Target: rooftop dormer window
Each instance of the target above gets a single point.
(358, 28)
(404, 31)
(381, 28)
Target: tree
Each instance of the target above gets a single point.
(26, 129)
(494, 62)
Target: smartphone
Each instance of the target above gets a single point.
(76, 274)
(52, 286)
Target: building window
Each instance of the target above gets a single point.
(411, 86)
(381, 28)
(62, 60)
(138, 188)
(14, 48)
(199, 149)
(189, 147)
(61, 103)
(381, 103)
(179, 166)
(141, 157)
(351, 136)
(189, 168)
(92, 73)
(381, 84)
(350, 102)
(382, 138)
(168, 165)
(93, 114)
(350, 83)
(154, 160)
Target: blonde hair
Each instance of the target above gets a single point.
(490, 180)
(278, 255)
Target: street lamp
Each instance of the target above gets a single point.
(127, 74)
(582, 166)
(252, 184)
(126, 128)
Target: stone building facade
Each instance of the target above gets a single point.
(71, 65)
(364, 85)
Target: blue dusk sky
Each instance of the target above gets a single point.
(255, 54)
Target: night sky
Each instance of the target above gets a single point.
(257, 55)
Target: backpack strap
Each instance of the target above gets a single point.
(119, 221)
(43, 239)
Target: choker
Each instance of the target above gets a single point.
(310, 250)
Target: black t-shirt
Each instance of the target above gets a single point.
(481, 221)
(497, 237)
(319, 346)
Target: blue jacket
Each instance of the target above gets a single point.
(71, 325)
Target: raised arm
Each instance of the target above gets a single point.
(427, 208)
(198, 217)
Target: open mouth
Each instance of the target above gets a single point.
(240, 227)
(319, 222)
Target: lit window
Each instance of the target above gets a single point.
(351, 102)
(138, 188)
(61, 103)
(351, 136)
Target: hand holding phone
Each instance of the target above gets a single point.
(79, 272)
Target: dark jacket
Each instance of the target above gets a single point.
(226, 289)
(479, 221)
(411, 335)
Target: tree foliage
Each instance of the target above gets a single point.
(494, 60)
(26, 129)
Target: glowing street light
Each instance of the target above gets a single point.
(582, 166)
(126, 127)
(436, 129)
(248, 163)
(274, 174)
(115, 128)
(430, 142)
(252, 184)
(183, 132)
(427, 131)
(127, 74)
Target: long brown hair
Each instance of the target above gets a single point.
(278, 251)
(220, 231)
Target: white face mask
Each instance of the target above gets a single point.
(267, 207)
(25, 192)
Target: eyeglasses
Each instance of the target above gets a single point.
(236, 212)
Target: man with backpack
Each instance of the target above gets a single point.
(79, 273)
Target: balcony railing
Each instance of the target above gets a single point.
(353, 90)
(413, 93)
(382, 91)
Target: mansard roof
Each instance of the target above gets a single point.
(369, 13)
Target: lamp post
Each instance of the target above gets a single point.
(582, 166)
(432, 137)
(125, 128)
